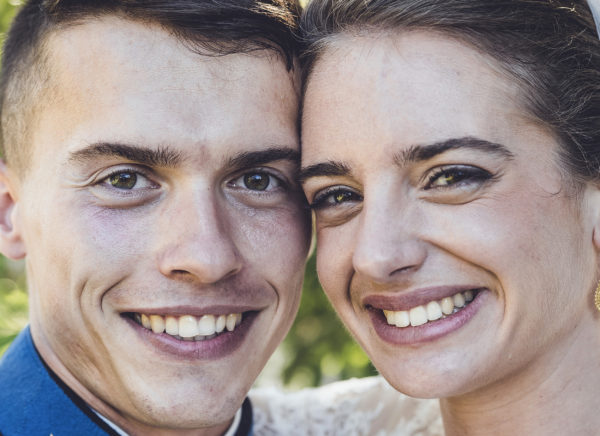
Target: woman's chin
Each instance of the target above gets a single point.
(427, 386)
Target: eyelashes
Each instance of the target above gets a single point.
(333, 197)
(456, 176)
(258, 180)
(127, 179)
(123, 187)
(133, 179)
(448, 181)
(130, 186)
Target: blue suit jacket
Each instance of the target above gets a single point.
(35, 402)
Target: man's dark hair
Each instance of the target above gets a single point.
(208, 27)
(550, 47)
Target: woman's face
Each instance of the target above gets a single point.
(450, 242)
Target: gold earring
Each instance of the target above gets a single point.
(597, 297)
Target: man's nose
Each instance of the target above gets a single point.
(388, 245)
(197, 241)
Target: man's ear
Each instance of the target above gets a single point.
(11, 239)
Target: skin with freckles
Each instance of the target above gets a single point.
(162, 181)
(427, 176)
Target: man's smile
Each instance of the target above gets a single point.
(181, 335)
(189, 327)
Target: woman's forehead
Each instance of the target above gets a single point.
(418, 86)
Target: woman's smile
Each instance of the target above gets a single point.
(399, 320)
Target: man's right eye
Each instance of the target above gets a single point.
(128, 180)
(123, 180)
(125, 187)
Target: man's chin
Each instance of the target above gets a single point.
(171, 382)
(205, 401)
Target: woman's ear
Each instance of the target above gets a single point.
(593, 200)
(11, 240)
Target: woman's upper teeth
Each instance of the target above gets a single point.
(431, 311)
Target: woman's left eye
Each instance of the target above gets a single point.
(257, 181)
(457, 175)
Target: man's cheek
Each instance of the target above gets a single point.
(278, 241)
(117, 233)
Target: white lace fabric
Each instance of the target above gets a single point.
(357, 407)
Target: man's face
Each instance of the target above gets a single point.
(161, 191)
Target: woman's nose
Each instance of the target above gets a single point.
(387, 243)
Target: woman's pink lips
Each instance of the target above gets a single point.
(427, 332)
(210, 349)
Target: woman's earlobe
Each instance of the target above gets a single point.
(594, 200)
(11, 241)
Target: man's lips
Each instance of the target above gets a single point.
(191, 323)
(201, 341)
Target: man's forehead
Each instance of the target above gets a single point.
(141, 86)
(127, 45)
(110, 51)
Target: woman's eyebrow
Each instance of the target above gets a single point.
(161, 156)
(418, 153)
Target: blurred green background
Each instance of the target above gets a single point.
(317, 350)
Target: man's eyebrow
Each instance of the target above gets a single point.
(159, 157)
(323, 169)
(420, 153)
(249, 159)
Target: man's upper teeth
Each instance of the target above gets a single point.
(189, 326)
(431, 311)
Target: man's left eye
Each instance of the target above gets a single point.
(257, 181)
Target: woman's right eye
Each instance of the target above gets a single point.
(334, 197)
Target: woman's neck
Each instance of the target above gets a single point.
(553, 395)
